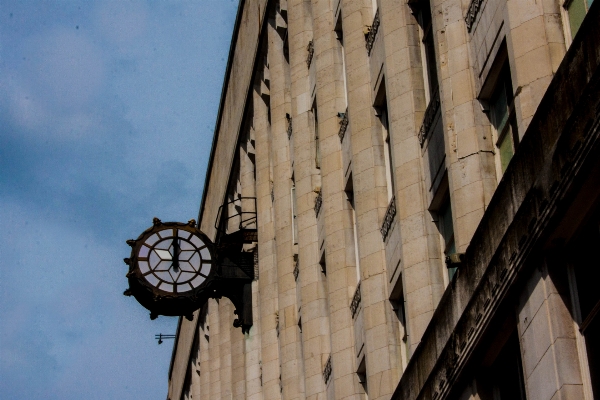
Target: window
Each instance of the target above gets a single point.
(428, 51)
(315, 119)
(446, 229)
(361, 372)
(294, 215)
(382, 113)
(584, 277)
(350, 198)
(397, 302)
(576, 11)
(340, 37)
(503, 380)
(503, 118)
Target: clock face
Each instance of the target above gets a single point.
(174, 260)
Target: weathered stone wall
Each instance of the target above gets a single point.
(330, 119)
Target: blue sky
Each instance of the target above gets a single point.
(107, 110)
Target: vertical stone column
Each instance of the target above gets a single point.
(312, 284)
(214, 360)
(469, 149)
(225, 346)
(536, 46)
(421, 269)
(292, 378)
(548, 343)
(371, 203)
(246, 374)
(195, 363)
(337, 221)
(204, 332)
(267, 283)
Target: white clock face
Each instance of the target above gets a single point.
(174, 260)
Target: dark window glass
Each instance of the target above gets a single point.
(503, 118)
(577, 9)
(587, 276)
(446, 228)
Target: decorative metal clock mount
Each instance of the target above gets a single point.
(174, 269)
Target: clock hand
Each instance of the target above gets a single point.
(176, 252)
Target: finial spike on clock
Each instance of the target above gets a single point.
(156, 221)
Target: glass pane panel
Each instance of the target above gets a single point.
(197, 281)
(144, 252)
(164, 245)
(506, 150)
(163, 266)
(205, 254)
(576, 11)
(195, 261)
(186, 255)
(154, 259)
(152, 239)
(205, 269)
(167, 287)
(163, 254)
(185, 276)
(183, 245)
(186, 266)
(183, 234)
(164, 275)
(175, 274)
(184, 287)
(499, 109)
(196, 241)
(144, 267)
(152, 279)
(166, 233)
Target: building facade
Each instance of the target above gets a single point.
(424, 180)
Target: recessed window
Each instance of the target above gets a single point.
(446, 228)
(576, 10)
(503, 119)
(428, 50)
(294, 213)
(586, 274)
(350, 197)
(382, 112)
(398, 305)
(315, 121)
(504, 379)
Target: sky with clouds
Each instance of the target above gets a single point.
(107, 110)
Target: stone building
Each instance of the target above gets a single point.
(424, 181)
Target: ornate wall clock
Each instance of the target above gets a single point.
(174, 269)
